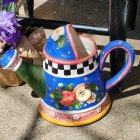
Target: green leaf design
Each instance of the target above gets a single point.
(11, 7)
(52, 95)
(98, 97)
(61, 41)
(69, 87)
(76, 102)
(57, 105)
(62, 87)
(92, 87)
(70, 107)
(77, 105)
(56, 95)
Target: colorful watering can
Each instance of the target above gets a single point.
(70, 83)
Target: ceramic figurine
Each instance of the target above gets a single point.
(70, 84)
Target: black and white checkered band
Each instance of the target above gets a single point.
(75, 70)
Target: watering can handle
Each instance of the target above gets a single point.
(118, 44)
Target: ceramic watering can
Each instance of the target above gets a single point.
(70, 83)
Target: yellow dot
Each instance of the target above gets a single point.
(103, 52)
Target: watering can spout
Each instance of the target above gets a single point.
(31, 74)
(34, 76)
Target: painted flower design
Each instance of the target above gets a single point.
(99, 109)
(65, 96)
(52, 114)
(76, 117)
(58, 32)
(58, 37)
(68, 98)
(74, 98)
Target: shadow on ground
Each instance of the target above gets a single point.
(129, 89)
(27, 136)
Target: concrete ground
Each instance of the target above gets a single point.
(20, 120)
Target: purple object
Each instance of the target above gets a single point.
(8, 22)
(9, 28)
(6, 2)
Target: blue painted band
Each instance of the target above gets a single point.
(127, 66)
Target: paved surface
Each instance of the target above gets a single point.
(20, 120)
(85, 11)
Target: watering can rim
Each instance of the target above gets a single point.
(70, 62)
